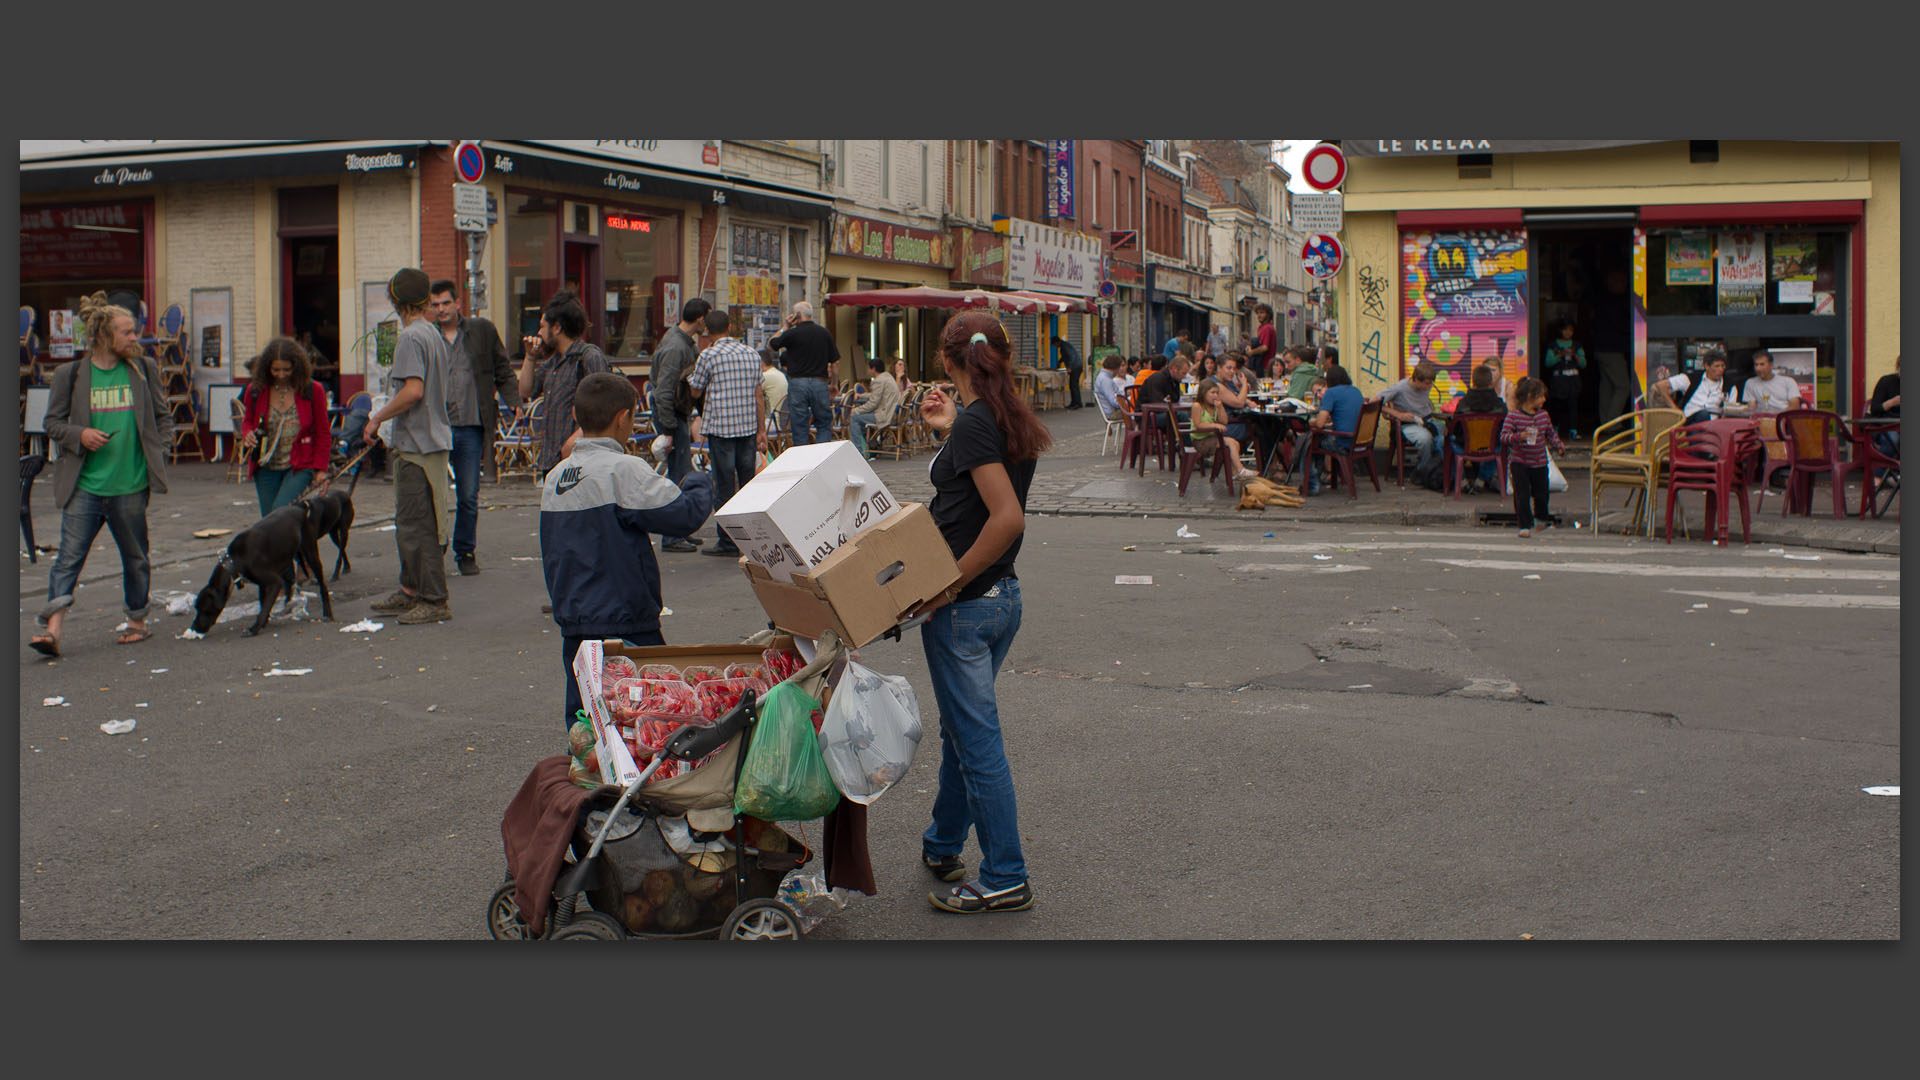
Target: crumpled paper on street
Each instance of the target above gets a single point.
(286, 671)
(117, 727)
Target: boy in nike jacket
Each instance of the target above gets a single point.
(596, 509)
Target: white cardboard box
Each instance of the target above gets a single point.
(803, 506)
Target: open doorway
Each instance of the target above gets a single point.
(1583, 275)
(310, 277)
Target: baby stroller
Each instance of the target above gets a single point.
(669, 860)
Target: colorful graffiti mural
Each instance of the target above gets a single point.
(1464, 301)
(1640, 350)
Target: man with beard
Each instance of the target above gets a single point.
(110, 415)
(478, 374)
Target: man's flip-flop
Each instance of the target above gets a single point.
(45, 645)
(130, 635)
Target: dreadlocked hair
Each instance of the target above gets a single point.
(974, 341)
(97, 315)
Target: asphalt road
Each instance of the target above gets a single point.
(1337, 732)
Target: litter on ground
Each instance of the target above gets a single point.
(208, 534)
(1804, 558)
(1133, 579)
(117, 727)
(1185, 533)
(1531, 577)
(287, 671)
(364, 626)
(1894, 790)
(53, 701)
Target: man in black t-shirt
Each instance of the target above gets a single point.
(812, 360)
(1163, 386)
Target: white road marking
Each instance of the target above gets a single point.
(1744, 573)
(1496, 541)
(1808, 600)
(1263, 568)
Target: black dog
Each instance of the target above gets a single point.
(265, 553)
(332, 515)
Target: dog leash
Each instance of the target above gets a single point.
(342, 471)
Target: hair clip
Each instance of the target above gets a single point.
(979, 337)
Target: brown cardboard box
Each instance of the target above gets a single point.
(860, 590)
(681, 656)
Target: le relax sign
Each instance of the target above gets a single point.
(1421, 147)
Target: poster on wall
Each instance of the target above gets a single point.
(380, 327)
(1464, 302)
(1800, 366)
(60, 329)
(212, 328)
(753, 282)
(1796, 261)
(1690, 258)
(1743, 273)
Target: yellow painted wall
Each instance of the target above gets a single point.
(1656, 173)
(1883, 264)
(1370, 313)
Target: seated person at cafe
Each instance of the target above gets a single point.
(1147, 368)
(1106, 384)
(1769, 391)
(1886, 402)
(1210, 429)
(1339, 411)
(1482, 398)
(1700, 395)
(1236, 392)
(1301, 372)
(1163, 386)
(1316, 390)
(1408, 404)
(1501, 384)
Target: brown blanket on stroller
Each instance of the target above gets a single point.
(536, 830)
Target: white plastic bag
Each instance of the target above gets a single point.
(1556, 480)
(870, 732)
(385, 430)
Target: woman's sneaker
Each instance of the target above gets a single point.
(969, 900)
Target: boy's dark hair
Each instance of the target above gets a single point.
(1336, 376)
(1483, 378)
(1529, 389)
(718, 320)
(1330, 354)
(695, 309)
(444, 285)
(766, 357)
(876, 363)
(1112, 362)
(1159, 361)
(565, 314)
(599, 398)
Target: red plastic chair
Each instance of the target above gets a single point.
(1479, 434)
(1710, 460)
(1871, 460)
(1133, 439)
(1346, 461)
(1813, 438)
(1190, 460)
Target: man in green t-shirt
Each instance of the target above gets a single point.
(110, 416)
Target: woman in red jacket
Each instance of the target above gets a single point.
(285, 434)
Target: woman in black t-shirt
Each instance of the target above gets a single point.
(980, 479)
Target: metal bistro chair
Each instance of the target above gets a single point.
(513, 443)
(30, 467)
(1630, 451)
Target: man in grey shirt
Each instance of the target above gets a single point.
(1407, 402)
(416, 389)
(673, 404)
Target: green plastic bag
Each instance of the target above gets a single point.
(784, 778)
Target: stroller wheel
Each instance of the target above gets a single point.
(504, 921)
(761, 920)
(590, 926)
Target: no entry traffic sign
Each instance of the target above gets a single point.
(1324, 167)
(1322, 255)
(469, 162)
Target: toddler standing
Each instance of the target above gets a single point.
(1527, 432)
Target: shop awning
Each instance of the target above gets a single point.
(1054, 303)
(121, 169)
(926, 296)
(1197, 305)
(620, 177)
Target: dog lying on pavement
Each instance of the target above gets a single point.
(265, 553)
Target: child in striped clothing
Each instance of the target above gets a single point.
(1527, 432)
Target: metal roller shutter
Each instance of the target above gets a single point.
(1463, 300)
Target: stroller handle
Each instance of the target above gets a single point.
(693, 743)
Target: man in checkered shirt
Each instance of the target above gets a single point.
(726, 383)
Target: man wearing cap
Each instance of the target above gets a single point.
(422, 444)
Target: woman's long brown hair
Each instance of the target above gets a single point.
(989, 368)
(283, 348)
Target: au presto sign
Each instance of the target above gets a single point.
(866, 238)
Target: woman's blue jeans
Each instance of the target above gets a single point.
(965, 644)
(276, 488)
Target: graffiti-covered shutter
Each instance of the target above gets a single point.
(1463, 301)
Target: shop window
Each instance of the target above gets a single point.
(1476, 166)
(1743, 271)
(640, 254)
(533, 258)
(1703, 151)
(69, 251)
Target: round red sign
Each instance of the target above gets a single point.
(469, 162)
(1322, 255)
(1324, 167)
